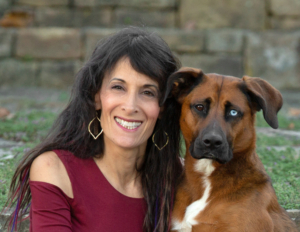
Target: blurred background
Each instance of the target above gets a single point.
(43, 43)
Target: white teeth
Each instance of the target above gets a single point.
(128, 125)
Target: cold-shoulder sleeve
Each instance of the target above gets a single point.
(50, 208)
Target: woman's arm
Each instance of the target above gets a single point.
(48, 168)
(51, 193)
(50, 208)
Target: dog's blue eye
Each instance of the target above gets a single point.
(233, 113)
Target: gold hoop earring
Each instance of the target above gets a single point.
(89, 128)
(160, 148)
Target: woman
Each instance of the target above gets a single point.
(111, 161)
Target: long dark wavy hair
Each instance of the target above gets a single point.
(161, 170)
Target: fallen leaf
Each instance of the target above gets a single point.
(291, 126)
(294, 112)
(4, 112)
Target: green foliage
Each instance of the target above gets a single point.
(27, 126)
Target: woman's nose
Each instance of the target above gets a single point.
(130, 103)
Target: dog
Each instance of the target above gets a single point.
(225, 187)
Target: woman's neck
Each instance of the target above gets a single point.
(119, 166)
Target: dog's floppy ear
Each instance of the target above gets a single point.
(264, 96)
(181, 82)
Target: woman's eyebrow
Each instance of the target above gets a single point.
(116, 79)
(150, 85)
(145, 86)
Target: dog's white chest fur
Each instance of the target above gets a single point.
(204, 166)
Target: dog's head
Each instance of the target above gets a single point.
(218, 112)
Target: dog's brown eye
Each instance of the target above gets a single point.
(199, 107)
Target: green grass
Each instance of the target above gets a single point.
(283, 168)
(7, 168)
(6, 172)
(29, 126)
(263, 140)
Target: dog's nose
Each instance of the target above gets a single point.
(212, 140)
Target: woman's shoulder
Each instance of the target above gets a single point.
(44, 164)
(49, 168)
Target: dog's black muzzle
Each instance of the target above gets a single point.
(211, 143)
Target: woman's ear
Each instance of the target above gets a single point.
(97, 101)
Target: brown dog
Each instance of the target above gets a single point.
(225, 187)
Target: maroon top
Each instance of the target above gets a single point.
(97, 206)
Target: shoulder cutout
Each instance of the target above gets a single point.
(48, 168)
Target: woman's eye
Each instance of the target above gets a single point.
(117, 87)
(233, 113)
(199, 107)
(149, 93)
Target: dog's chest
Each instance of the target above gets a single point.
(204, 166)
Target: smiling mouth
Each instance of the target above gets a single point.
(128, 125)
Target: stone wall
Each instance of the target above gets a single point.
(52, 56)
(195, 14)
(234, 37)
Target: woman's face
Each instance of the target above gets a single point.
(129, 106)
